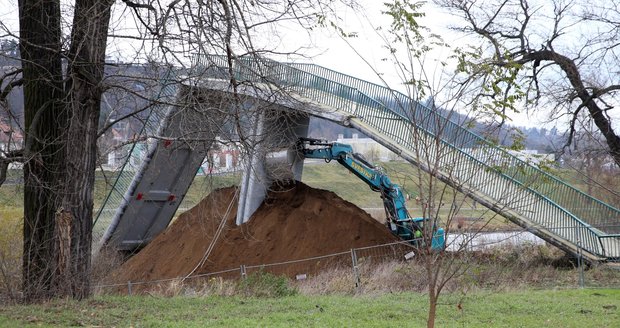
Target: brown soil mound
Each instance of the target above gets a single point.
(295, 222)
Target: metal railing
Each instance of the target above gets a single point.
(543, 199)
(584, 206)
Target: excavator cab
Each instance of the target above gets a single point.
(412, 229)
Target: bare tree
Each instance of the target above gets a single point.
(557, 55)
(452, 160)
(61, 120)
(63, 82)
(590, 161)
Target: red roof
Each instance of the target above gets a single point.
(8, 133)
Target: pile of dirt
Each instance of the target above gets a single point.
(295, 222)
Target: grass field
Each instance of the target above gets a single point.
(546, 308)
(329, 176)
(11, 202)
(336, 178)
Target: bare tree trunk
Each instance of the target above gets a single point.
(432, 309)
(85, 72)
(44, 122)
(61, 129)
(432, 290)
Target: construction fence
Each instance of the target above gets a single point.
(400, 266)
(300, 269)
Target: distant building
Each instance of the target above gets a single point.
(225, 159)
(532, 156)
(10, 139)
(370, 149)
(375, 152)
(609, 164)
(116, 146)
(490, 156)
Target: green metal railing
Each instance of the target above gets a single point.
(580, 204)
(545, 200)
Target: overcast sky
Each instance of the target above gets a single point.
(360, 56)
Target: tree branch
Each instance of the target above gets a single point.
(135, 5)
(7, 89)
(507, 34)
(12, 156)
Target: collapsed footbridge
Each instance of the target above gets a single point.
(528, 196)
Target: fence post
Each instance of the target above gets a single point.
(129, 287)
(243, 272)
(580, 263)
(356, 271)
(357, 102)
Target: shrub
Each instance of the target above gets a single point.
(265, 284)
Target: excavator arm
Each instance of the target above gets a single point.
(398, 219)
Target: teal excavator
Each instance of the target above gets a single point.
(398, 219)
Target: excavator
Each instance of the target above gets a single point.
(398, 219)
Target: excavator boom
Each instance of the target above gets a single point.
(398, 219)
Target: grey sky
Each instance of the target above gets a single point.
(360, 56)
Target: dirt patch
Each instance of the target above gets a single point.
(295, 222)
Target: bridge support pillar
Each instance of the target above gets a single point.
(270, 157)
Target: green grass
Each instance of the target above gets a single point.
(203, 185)
(327, 176)
(336, 178)
(12, 195)
(547, 308)
(330, 176)
(11, 212)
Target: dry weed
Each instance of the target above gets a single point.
(103, 264)
(498, 269)
(333, 281)
(10, 258)
(218, 286)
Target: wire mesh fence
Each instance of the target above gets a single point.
(398, 266)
